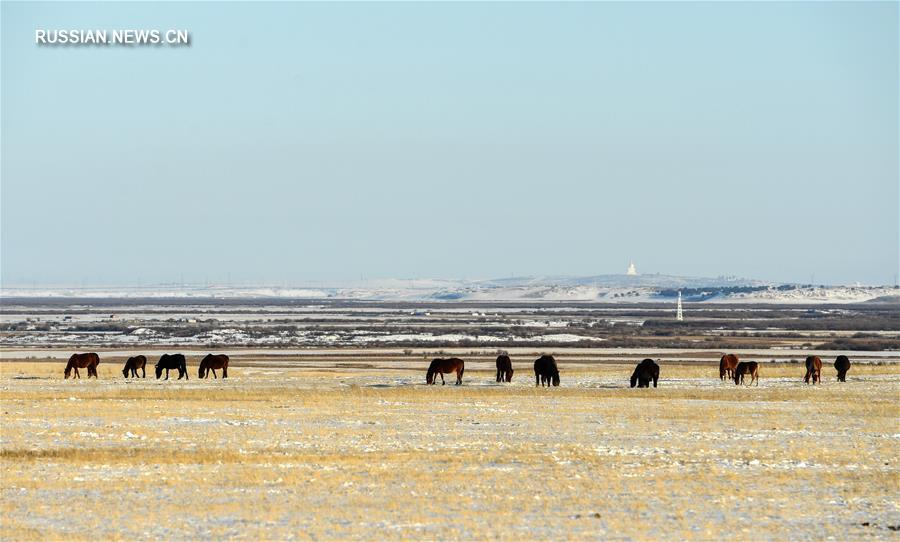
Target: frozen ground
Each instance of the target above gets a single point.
(343, 453)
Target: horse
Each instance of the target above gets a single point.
(727, 365)
(80, 361)
(172, 361)
(746, 367)
(842, 364)
(211, 363)
(504, 368)
(644, 372)
(813, 369)
(133, 364)
(441, 366)
(545, 371)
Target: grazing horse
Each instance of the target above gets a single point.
(172, 361)
(80, 361)
(842, 364)
(645, 371)
(441, 366)
(504, 368)
(727, 365)
(813, 369)
(133, 364)
(746, 367)
(545, 371)
(211, 363)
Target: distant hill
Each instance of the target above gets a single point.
(599, 288)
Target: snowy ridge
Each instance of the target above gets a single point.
(601, 288)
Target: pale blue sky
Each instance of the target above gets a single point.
(296, 142)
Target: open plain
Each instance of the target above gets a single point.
(341, 447)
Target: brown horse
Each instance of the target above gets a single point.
(133, 364)
(442, 366)
(80, 361)
(746, 367)
(727, 365)
(211, 363)
(546, 371)
(842, 365)
(504, 368)
(813, 369)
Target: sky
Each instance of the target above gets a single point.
(295, 142)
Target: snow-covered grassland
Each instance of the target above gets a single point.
(335, 451)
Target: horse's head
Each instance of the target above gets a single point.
(68, 370)
(634, 379)
(429, 377)
(202, 369)
(159, 370)
(556, 378)
(125, 371)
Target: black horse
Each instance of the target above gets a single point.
(645, 371)
(172, 361)
(545, 371)
(504, 368)
(842, 365)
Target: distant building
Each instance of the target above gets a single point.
(632, 270)
(679, 315)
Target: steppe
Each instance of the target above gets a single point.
(343, 447)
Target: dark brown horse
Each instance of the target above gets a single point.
(727, 365)
(813, 369)
(645, 371)
(80, 361)
(842, 365)
(442, 366)
(545, 371)
(746, 368)
(504, 368)
(211, 363)
(172, 361)
(133, 364)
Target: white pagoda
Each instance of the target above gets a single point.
(632, 270)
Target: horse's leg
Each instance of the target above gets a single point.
(225, 372)
(214, 374)
(143, 372)
(443, 383)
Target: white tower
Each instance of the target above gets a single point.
(679, 315)
(632, 270)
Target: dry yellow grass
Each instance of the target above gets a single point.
(276, 453)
